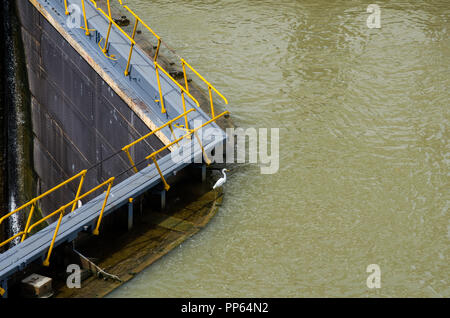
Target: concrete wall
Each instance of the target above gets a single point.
(78, 120)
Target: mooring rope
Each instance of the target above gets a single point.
(99, 270)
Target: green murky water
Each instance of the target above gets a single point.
(364, 151)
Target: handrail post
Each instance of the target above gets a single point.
(127, 151)
(208, 162)
(161, 98)
(28, 222)
(157, 49)
(78, 192)
(184, 110)
(166, 185)
(85, 18)
(185, 76)
(65, 4)
(211, 99)
(96, 230)
(109, 28)
(47, 260)
(173, 133)
(131, 48)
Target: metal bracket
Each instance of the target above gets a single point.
(130, 213)
(162, 194)
(3, 289)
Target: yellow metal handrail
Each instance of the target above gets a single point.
(62, 209)
(61, 212)
(133, 43)
(210, 87)
(33, 202)
(112, 22)
(184, 90)
(191, 131)
(29, 227)
(138, 19)
(109, 18)
(126, 149)
(67, 9)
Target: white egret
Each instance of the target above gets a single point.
(221, 181)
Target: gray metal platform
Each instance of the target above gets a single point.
(36, 246)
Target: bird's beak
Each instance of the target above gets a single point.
(227, 170)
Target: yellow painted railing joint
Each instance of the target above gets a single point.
(96, 230)
(65, 5)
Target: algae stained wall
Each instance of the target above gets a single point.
(3, 131)
(16, 168)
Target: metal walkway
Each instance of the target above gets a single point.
(167, 107)
(36, 246)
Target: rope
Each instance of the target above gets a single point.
(99, 270)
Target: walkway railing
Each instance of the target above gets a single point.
(126, 149)
(61, 211)
(33, 203)
(184, 91)
(158, 67)
(210, 87)
(153, 155)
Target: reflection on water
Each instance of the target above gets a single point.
(364, 153)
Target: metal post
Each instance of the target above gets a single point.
(30, 216)
(80, 186)
(109, 29)
(203, 173)
(47, 260)
(96, 230)
(185, 76)
(85, 18)
(130, 213)
(166, 185)
(186, 125)
(163, 200)
(211, 100)
(131, 160)
(161, 97)
(65, 4)
(127, 70)
(157, 49)
(205, 156)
